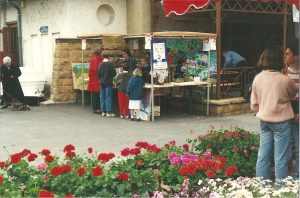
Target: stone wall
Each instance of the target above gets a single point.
(68, 51)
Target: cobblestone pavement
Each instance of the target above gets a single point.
(54, 126)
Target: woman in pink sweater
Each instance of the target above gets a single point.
(270, 98)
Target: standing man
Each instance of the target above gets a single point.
(93, 84)
(106, 73)
(291, 59)
(12, 90)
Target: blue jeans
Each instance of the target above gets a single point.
(277, 135)
(106, 98)
(295, 129)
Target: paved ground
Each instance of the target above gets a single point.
(55, 126)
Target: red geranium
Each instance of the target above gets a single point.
(123, 176)
(45, 152)
(97, 171)
(184, 170)
(135, 151)
(31, 157)
(45, 193)
(142, 144)
(211, 174)
(81, 171)
(15, 158)
(90, 149)
(69, 147)
(70, 154)
(49, 158)
(105, 157)
(1, 179)
(125, 152)
(3, 165)
(25, 152)
(56, 170)
(186, 147)
(66, 168)
(231, 170)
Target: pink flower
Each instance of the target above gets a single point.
(46, 178)
(42, 166)
(156, 171)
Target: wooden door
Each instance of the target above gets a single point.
(10, 43)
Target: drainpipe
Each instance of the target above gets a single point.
(19, 24)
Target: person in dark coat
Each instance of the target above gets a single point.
(106, 73)
(12, 90)
(93, 84)
(134, 92)
(130, 62)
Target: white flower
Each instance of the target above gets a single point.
(199, 182)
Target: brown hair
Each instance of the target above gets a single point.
(98, 51)
(137, 72)
(271, 59)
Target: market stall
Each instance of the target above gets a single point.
(197, 53)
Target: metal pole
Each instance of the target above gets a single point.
(82, 76)
(219, 50)
(152, 94)
(208, 80)
(284, 25)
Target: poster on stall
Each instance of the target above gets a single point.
(159, 55)
(212, 44)
(77, 70)
(206, 45)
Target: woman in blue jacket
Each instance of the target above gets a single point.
(134, 92)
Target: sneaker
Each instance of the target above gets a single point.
(110, 115)
(126, 117)
(103, 114)
(121, 116)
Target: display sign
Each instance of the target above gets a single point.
(159, 55)
(113, 41)
(83, 44)
(77, 69)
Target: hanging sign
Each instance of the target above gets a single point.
(148, 42)
(212, 44)
(159, 55)
(206, 46)
(83, 44)
(295, 14)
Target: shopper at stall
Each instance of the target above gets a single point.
(270, 98)
(178, 71)
(106, 73)
(130, 62)
(146, 68)
(134, 92)
(233, 60)
(123, 100)
(12, 90)
(291, 59)
(93, 83)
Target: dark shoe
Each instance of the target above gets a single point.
(132, 119)
(138, 119)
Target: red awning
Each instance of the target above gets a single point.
(180, 7)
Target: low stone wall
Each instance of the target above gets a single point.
(68, 51)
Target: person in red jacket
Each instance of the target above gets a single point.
(93, 84)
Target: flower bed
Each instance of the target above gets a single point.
(201, 168)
